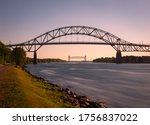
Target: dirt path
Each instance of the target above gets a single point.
(5, 68)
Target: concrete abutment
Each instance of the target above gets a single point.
(35, 58)
(118, 57)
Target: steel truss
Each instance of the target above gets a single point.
(76, 57)
(108, 38)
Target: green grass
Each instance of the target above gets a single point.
(19, 89)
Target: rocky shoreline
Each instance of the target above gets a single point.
(72, 98)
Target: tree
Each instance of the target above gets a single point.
(5, 54)
(18, 56)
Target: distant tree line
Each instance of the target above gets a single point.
(16, 56)
(105, 60)
(125, 59)
(46, 60)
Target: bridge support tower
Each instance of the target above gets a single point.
(35, 57)
(118, 57)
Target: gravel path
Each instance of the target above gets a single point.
(5, 68)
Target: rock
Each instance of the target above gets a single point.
(83, 105)
(72, 98)
(74, 95)
(67, 91)
(103, 104)
(76, 102)
(83, 98)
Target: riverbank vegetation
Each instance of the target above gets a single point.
(45, 60)
(125, 59)
(16, 56)
(5, 54)
(20, 89)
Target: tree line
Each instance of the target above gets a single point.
(45, 60)
(125, 59)
(16, 56)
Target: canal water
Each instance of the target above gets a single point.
(120, 85)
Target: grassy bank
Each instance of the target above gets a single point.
(19, 89)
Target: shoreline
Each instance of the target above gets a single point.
(73, 98)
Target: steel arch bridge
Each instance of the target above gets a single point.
(47, 38)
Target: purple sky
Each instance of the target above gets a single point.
(22, 20)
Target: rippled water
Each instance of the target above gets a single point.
(120, 85)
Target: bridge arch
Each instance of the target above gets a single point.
(46, 38)
(107, 37)
(117, 43)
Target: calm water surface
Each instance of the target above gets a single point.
(123, 85)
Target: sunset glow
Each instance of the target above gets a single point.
(22, 20)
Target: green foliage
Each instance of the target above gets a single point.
(5, 54)
(24, 91)
(125, 59)
(46, 60)
(105, 60)
(18, 56)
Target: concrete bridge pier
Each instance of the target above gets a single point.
(118, 57)
(35, 57)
